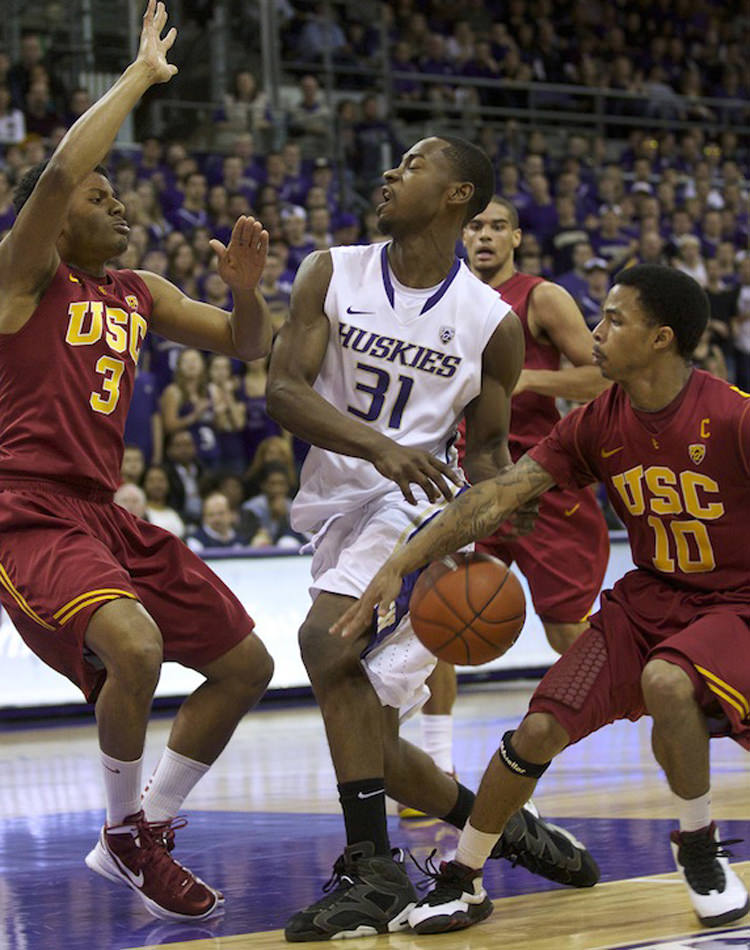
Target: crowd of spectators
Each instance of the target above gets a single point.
(203, 458)
(664, 56)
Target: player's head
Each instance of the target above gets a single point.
(95, 229)
(652, 312)
(441, 180)
(491, 237)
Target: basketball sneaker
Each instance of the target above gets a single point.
(457, 900)
(717, 894)
(136, 853)
(367, 894)
(545, 849)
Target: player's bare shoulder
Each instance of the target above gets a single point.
(314, 275)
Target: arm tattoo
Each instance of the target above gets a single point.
(476, 513)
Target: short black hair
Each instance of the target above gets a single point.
(509, 207)
(471, 164)
(27, 183)
(670, 298)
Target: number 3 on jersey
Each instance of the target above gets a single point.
(377, 390)
(112, 370)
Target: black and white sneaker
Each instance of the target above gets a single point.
(546, 849)
(457, 900)
(367, 894)
(717, 894)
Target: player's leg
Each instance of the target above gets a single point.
(125, 639)
(458, 899)
(437, 715)
(562, 635)
(595, 682)
(205, 723)
(204, 627)
(372, 893)
(436, 723)
(130, 849)
(675, 695)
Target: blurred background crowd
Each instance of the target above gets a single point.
(620, 131)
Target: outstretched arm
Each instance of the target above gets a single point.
(245, 333)
(28, 255)
(471, 516)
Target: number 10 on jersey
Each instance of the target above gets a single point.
(377, 390)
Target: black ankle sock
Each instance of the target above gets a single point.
(459, 814)
(363, 803)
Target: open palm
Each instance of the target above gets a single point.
(241, 263)
(153, 49)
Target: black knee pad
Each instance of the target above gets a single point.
(515, 764)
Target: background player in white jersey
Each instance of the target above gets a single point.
(387, 346)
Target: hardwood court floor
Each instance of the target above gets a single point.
(265, 827)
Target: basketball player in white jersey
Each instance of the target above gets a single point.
(386, 347)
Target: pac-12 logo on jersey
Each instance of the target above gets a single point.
(447, 334)
(697, 452)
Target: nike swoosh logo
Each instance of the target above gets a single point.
(570, 511)
(354, 312)
(607, 452)
(116, 771)
(379, 791)
(137, 879)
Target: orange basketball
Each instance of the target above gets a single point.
(467, 608)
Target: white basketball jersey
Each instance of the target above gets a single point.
(407, 371)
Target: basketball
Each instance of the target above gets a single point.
(467, 608)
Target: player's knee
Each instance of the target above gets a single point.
(560, 636)
(540, 737)
(137, 658)
(667, 688)
(325, 657)
(248, 663)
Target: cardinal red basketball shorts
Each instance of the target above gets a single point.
(65, 552)
(598, 679)
(564, 558)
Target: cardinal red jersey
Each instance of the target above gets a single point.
(66, 379)
(532, 416)
(679, 479)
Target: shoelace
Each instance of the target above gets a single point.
(338, 876)
(699, 859)
(446, 883)
(153, 837)
(163, 831)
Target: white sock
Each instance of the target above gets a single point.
(437, 740)
(175, 777)
(122, 787)
(474, 846)
(694, 813)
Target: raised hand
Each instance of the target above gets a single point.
(153, 49)
(241, 263)
(407, 467)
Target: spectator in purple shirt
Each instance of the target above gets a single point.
(539, 216)
(294, 227)
(192, 212)
(574, 280)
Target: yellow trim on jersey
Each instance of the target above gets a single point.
(94, 599)
(67, 610)
(21, 600)
(727, 692)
